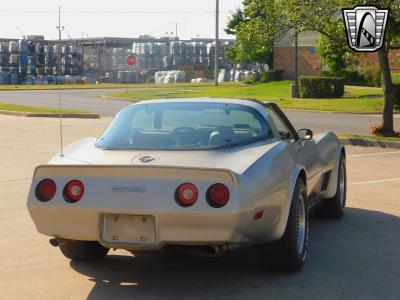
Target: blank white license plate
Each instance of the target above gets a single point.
(128, 229)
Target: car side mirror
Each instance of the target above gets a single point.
(305, 134)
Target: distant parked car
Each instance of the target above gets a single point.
(201, 175)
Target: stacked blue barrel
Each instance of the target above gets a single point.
(13, 49)
(76, 60)
(23, 59)
(4, 63)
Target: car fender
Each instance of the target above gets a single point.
(332, 187)
(294, 175)
(268, 185)
(330, 148)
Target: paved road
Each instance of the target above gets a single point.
(353, 258)
(89, 100)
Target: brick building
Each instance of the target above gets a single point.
(309, 62)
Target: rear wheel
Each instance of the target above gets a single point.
(289, 253)
(334, 207)
(83, 250)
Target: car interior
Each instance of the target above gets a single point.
(189, 137)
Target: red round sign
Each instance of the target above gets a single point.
(131, 60)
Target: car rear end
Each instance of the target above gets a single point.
(138, 207)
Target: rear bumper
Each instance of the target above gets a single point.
(181, 228)
(197, 225)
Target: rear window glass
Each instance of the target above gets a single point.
(180, 126)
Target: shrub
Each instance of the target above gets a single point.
(265, 76)
(372, 76)
(377, 130)
(321, 87)
(271, 75)
(251, 79)
(361, 76)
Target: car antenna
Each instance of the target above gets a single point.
(58, 80)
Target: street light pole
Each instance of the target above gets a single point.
(216, 42)
(295, 84)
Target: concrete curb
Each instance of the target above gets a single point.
(50, 115)
(369, 143)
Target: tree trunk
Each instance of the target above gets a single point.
(388, 89)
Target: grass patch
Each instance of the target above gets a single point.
(370, 137)
(356, 99)
(23, 108)
(396, 78)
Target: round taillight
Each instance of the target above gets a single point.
(74, 190)
(218, 195)
(45, 190)
(186, 194)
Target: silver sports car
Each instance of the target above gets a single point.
(200, 175)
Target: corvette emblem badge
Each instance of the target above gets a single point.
(144, 158)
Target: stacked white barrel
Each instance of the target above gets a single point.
(163, 77)
(176, 54)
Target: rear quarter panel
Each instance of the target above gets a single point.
(268, 185)
(329, 149)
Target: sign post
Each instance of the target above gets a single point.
(130, 61)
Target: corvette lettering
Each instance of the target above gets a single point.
(129, 189)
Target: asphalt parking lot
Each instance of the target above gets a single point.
(353, 258)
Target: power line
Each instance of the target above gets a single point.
(110, 12)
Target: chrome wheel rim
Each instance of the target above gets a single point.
(341, 184)
(301, 224)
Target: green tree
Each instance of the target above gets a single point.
(234, 20)
(336, 55)
(325, 17)
(254, 27)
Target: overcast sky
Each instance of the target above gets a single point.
(107, 18)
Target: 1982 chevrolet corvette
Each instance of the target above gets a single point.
(202, 175)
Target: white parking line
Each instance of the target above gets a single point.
(373, 154)
(375, 181)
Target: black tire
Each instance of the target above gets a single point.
(334, 207)
(285, 253)
(83, 250)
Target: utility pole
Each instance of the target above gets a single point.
(176, 29)
(59, 77)
(216, 42)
